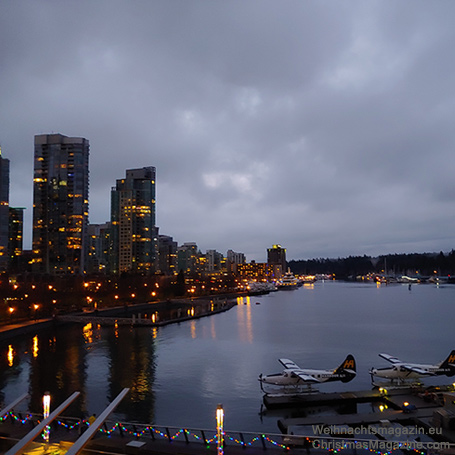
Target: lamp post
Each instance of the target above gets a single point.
(46, 411)
(219, 429)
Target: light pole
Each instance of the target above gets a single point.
(46, 411)
(219, 429)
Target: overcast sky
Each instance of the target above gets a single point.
(323, 126)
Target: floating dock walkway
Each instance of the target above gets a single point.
(401, 405)
(287, 400)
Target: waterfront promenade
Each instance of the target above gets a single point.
(166, 312)
(20, 328)
(122, 438)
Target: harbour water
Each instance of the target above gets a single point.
(178, 374)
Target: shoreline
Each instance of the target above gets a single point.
(175, 311)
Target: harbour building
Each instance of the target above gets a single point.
(4, 212)
(134, 236)
(60, 204)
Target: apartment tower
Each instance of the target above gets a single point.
(60, 204)
(133, 230)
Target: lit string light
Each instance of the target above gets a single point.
(208, 441)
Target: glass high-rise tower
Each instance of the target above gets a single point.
(134, 235)
(60, 204)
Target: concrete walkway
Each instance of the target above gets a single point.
(15, 329)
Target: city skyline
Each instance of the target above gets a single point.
(322, 127)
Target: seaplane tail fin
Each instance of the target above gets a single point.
(347, 369)
(449, 363)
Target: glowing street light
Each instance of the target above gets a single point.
(46, 411)
(219, 429)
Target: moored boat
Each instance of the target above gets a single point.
(288, 281)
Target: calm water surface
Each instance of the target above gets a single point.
(178, 374)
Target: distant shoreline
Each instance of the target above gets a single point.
(175, 311)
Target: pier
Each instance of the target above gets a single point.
(315, 398)
(430, 409)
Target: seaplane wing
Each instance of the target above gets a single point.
(305, 377)
(416, 369)
(390, 358)
(289, 364)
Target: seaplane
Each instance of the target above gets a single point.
(296, 379)
(400, 371)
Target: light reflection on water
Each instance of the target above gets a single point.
(178, 374)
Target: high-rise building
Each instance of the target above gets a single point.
(60, 204)
(214, 261)
(187, 258)
(98, 248)
(16, 232)
(134, 234)
(167, 257)
(4, 212)
(232, 260)
(276, 256)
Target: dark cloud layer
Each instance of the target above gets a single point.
(324, 126)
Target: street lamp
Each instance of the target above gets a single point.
(46, 411)
(219, 429)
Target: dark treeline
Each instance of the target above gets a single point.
(425, 264)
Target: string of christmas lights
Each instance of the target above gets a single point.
(208, 441)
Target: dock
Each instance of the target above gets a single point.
(420, 407)
(432, 412)
(286, 400)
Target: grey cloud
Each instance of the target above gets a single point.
(326, 127)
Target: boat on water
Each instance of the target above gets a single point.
(308, 279)
(258, 288)
(289, 281)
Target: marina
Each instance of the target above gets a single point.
(178, 373)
